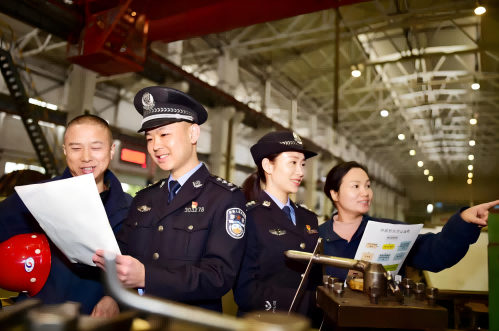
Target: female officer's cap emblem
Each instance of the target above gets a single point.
(148, 101)
(297, 138)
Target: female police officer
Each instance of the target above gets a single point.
(348, 186)
(267, 281)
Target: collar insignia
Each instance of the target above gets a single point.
(266, 203)
(143, 209)
(197, 184)
(277, 232)
(148, 101)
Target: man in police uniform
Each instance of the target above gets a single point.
(184, 235)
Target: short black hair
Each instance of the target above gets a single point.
(90, 119)
(336, 174)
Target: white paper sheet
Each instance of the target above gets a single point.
(387, 244)
(71, 213)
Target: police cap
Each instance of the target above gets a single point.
(160, 105)
(278, 142)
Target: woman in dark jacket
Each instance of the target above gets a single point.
(267, 280)
(348, 187)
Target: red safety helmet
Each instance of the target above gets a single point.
(25, 261)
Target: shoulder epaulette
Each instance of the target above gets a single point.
(304, 207)
(160, 182)
(225, 184)
(252, 204)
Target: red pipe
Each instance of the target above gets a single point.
(231, 14)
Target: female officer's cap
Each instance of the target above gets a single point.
(278, 142)
(160, 105)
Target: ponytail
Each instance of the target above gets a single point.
(251, 186)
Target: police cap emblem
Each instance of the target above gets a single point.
(235, 223)
(148, 101)
(297, 138)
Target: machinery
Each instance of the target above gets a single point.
(157, 314)
(382, 303)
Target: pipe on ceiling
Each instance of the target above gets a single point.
(207, 17)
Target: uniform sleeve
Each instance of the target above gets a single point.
(437, 251)
(121, 237)
(250, 294)
(215, 273)
(15, 218)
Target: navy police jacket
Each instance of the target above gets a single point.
(431, 251)
(192, 247)
(267, 279)
(66, 281)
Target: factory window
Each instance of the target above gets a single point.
(12, 166)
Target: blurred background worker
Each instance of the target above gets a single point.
(267, 280)
(184, 235)
(349, 188)
(89, 148)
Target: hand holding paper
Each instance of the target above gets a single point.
(72, 215)
(131, 272)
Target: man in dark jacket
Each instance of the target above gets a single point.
(88, 146)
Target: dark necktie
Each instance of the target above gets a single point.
(173, 186)
(287, 211)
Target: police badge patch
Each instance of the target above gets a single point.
(235, 222)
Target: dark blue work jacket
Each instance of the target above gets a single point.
(431, 251)
(66, 281)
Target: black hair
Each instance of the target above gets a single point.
(251, 186)
(90, 119)
(336, 174)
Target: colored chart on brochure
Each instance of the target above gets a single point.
(387, 244)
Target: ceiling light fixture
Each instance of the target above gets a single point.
(412, 152)
(479, 10)
(429, 208)
(471, 157)
(470, 175)
(469, 181)
(420, 164)
(475, 86)
(473, 121)
(472, 143)
(356, 70)
(401, 136)
(384, 113)
(426, 172)
(470, 167)
(430, 178)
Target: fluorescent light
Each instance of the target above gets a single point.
(429, 208)
(470, 175)
(472, 143)
(470, 167)
(430, 178)
(356, 73)
(470, 181)
(401, 136)
(47, 124)
(384, 113)
(42, 104)
(471, 157)
(480, 10)
(426, 172)
(17, 117)
(473, 121)
(420, 164)
(475, 86)
(412, 152)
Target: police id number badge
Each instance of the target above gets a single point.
(235, 222)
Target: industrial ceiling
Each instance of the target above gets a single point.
(417, 62)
